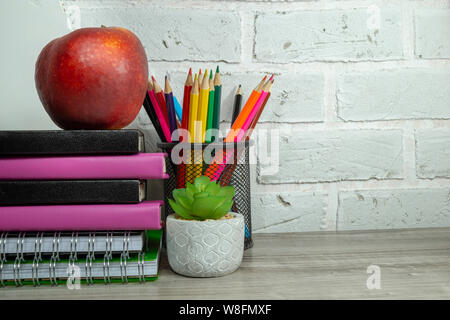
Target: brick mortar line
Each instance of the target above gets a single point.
(409, 156)
(360, 125)
(332, 209)
(368, 185)
(408, 35)
(438, 65)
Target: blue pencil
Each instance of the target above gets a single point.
(170, 108)
(178, 109)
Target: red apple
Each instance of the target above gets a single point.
(93, 78)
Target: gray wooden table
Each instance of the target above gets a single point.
(413, 264)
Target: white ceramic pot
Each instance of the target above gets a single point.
(210, 248)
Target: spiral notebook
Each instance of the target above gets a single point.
(66, 242)
(87, 269)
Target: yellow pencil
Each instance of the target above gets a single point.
(193, 108)
(203, 104)
(192, 168)
(200, 77)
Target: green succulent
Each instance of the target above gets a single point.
(202, 200)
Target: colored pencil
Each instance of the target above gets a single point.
(215, 169)
(192, 168)
(209, 122)
(246, 126)
(256, 119)
(160, 116)
(217, 100)
(186, 97)
(178, 109)
(168, 95)
(151, 114)
(200, 116)
(243, 115)
(200, 78)
(203, 104)
(228, 155)
(226, 176)
(197, 155)
(237, 104)
(181, 168)
(193, 108)
(161, 100)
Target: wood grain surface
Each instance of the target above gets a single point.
(414, 264)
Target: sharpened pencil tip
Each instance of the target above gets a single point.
(210, 75)
(239, 86)
(217, 69)
(190, 71)
(271, 78)
(153, 78)
(199, 71)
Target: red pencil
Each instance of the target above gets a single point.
(159, 114)
(187, 94)
(161, 100)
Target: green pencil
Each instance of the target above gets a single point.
(210, 119)
(217, 100)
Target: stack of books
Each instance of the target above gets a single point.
(72, 207)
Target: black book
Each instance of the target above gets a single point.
(66, 142)
(71, 192)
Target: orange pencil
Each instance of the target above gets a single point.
(255, 120)
(245, 112)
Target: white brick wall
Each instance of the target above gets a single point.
(361, 99)
(324, 35)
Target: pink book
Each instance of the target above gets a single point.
(142, 216)
(136, 166)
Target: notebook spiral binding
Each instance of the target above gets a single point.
(90, 257)
(107, 258)
(73, 250)
(72, 259)
(54, 258)
(19, 258)
(3, 238)
(141, 267)
(123, 257)
(37, 258)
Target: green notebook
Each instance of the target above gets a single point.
(124, 267)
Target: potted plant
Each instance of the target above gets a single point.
(204, 239)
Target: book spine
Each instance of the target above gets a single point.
(97, 217)
(74, 191)
(137, 166)
(66, 142)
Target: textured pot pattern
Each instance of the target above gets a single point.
(205, 248)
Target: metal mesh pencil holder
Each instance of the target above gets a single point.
(235, 173)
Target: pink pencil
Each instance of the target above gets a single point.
(243, 131)
(160, 115)
(252, 114)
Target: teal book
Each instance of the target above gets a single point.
(86, 269)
